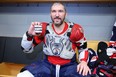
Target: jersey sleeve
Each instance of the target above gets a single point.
(29, 42)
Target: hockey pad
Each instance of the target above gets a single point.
(68, 52)
(76, 33)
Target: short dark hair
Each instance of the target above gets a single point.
(60, 4)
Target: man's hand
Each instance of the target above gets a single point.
(83, 68)
(35, 29)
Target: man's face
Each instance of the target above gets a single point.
(58, 14)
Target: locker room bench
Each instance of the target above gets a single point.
(11, 68)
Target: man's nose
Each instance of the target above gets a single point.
(57, 14)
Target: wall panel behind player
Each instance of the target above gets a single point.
(96, 19)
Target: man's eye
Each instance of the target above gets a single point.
(53, 11)
(61, 11)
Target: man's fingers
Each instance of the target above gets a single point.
(35, 23)
(89, 71)
(83, 70)
(79, 69)
(86, 72)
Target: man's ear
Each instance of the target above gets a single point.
(50, 14)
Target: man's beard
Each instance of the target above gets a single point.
(59, 23)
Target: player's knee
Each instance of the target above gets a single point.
(25, 74)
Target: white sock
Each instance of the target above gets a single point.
(25, 73)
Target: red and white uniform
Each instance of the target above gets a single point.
(59, 47)
(111, 51)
